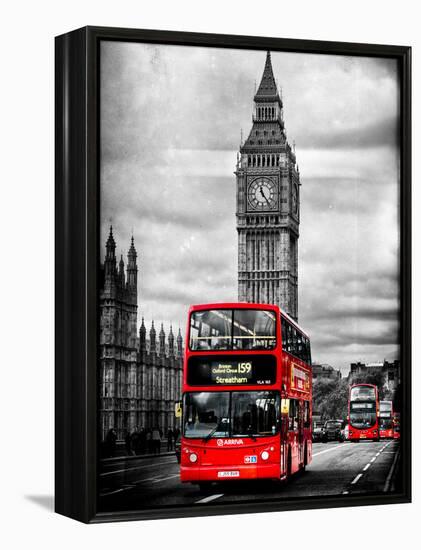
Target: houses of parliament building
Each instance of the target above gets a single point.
(140, 373)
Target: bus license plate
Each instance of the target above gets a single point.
(233, 473)
(250, 459)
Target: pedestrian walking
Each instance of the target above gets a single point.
(128, 442)
(142, 440)
(176, 435)
(170, 436)
(111, 442)
(149, 441)
(156, 440)
(135, 440)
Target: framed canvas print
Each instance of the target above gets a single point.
(232, 274)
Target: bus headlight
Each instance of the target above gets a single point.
(193, 457)
(264, 455)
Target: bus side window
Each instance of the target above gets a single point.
(299, 346)
(294, 342)
(289, 339)
(284, 334)
(305, 349)
(306, 414)
(293, 415)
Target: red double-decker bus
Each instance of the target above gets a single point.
(396, 425)
(363, 412)
(386, 420)
(247, 390)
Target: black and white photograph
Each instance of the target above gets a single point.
(249, 236)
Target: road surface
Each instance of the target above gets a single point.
(336, 469)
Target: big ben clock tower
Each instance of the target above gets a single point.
(268, 205)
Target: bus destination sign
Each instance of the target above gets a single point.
(233, 372)
(218, 371)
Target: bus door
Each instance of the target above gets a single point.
(300, 432)
(293, 433)
(284, 433)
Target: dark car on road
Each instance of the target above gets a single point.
(317, 432)
(332, 431)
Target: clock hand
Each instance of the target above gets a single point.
(263, 193)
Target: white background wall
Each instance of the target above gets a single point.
(27, 274)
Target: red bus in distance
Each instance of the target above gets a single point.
(363, 412)
(247, 389)
(396, 425)
(386, 420)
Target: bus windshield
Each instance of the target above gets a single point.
(363, 393)
(362, 415)
(362, 420)
(227, 329)
(231, 414)
(385, 408)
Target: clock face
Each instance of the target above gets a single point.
(262, 195)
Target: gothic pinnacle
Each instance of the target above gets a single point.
(110, 240)
(267, 85)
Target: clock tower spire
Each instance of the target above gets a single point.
(268, 210)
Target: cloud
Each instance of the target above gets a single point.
(376, 134)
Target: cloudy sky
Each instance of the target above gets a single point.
(171, 120)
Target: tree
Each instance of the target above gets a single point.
(330, 398)
(376, 378)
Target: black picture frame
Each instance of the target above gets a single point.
(77, 260)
